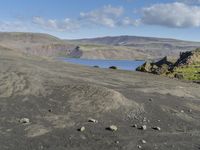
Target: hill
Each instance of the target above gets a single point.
(35, 43)
(151, 48)
(122, 47)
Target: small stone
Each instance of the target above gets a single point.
(113, 128)
(24, 120)
(143, 127)
(135, 125)
(182, 111)
(143, 142)
(151, 99)
(117, 142)
(82, 129)
(139, 146)
(158, 120)
(156, 128)
(190, 110)
(92, 120)
(144, 119)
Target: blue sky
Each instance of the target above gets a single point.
(93, 18)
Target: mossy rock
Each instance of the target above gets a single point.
(146, 67)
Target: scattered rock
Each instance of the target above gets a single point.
(144, 119)
(117, 142)
(182, 111)
(135, 125)
(24, 120)
(81, 129)
(92, 120)
(156, 128)
(49, 110)
(143, 142)
(190, 110)
(112, 128)
(143, 127)
(151, 99)
(139, 146)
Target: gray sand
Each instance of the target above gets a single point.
(58, 98)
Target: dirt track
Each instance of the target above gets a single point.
(58, 98)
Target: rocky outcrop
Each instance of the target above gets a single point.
(161, 67)
(186, 67)
(76, 52)
(189, 58)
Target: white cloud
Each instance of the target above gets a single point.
(13, 26)
(129, 22)
(106, 16)
(189, 1)
(58, 25)
(172, 15)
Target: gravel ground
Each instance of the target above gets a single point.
(46, 105)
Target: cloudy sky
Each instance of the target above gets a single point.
(92, 18)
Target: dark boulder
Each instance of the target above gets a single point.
(113, 67)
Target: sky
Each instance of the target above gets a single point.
(74, 19)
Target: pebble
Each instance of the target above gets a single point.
(24, 120)
(135, 125)
(144, 119)
(143, 142)
(117, 142)
(143, 127)
(92, 120)
(156, 128)
(182, 111)
(82, 129)
(139, 146)
(113, 128)
(150, 99)
(190, 110)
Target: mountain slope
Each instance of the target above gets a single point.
(153, 47)
(122, 47)
(35, 43)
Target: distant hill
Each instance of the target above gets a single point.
(34, 43)
(27, 37)
(119, 47)
(153, 47)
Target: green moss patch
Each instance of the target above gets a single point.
(191, 72)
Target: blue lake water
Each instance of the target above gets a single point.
(120, 64)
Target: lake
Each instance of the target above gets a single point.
(120, 64)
